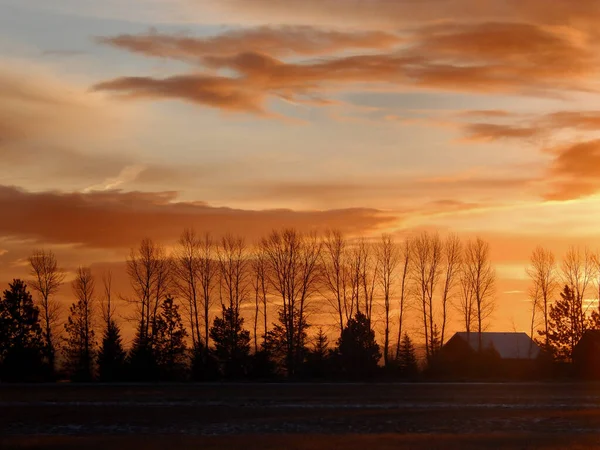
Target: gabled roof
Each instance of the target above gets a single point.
(508, 345)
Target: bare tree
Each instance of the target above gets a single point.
(233, 272)
(355, 270)
(149, 272)
(577, 273)
(452, 256)
(80, 348)
(261, 285)
(208, 271)
(405, 256)
(186, 276)
(542, 272)
(388, 258)
(427, 258)
(336, 276)
(481, 277)
(368, 276)
(47, 280)
(107, 307)
(294, 275)
(466, 304)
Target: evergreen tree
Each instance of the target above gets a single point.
(566, 325)
(111, 357)
(141, 359)
(21, 340)
(318, 357)
(204, 365)
(80, 348)
(232, 343)
(286, 351)
(170, 348)
(358, 351)
(407, 362)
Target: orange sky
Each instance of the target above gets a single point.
(142, 117)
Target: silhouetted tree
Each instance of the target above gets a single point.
(21, 341)
(232, 343)
(294, 276)
(427, 264)
(407, 361)
(111, 357)
(317, 361)
(565, 325)
(204, 366)
(388, 259)
(141, 359)
(405, 261)
(47, 279)
(452, 264)
(358, 352)
(169, 345)
(336, 276)
(80, 342)
(481, 278)
(542, 272)
(277, 345)
(149, 272)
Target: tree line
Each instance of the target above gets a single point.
(221, 308)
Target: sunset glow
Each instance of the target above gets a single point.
(127, 119)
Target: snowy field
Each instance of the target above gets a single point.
(568, 414)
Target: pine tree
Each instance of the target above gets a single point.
(111, 357)
(407, 359)
(141, 361)
(566, 325)
(232, 343)
(358, 351)
(21, 340)
(318, 357)
(170, 348)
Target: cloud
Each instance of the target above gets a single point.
(274, 41)
(487, 132)
(217, 92)
(254, 65)
(575, 171)
(115, 219)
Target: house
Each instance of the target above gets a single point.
(487, 355)
(586, 355)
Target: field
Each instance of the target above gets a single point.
(301, 416)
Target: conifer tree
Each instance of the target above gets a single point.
(358, 351)
(170, 348)
(21, 339)
(407, 359)
(232, 343)
(111, 357)
(566, 326)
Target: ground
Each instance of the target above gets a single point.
(301, 416)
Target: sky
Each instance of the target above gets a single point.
(133, 118)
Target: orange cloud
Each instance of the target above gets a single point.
(497, 57)
(280, 41)
(575, 171)
(115, 219)
(478, 132)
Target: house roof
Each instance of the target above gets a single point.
(508, 345)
